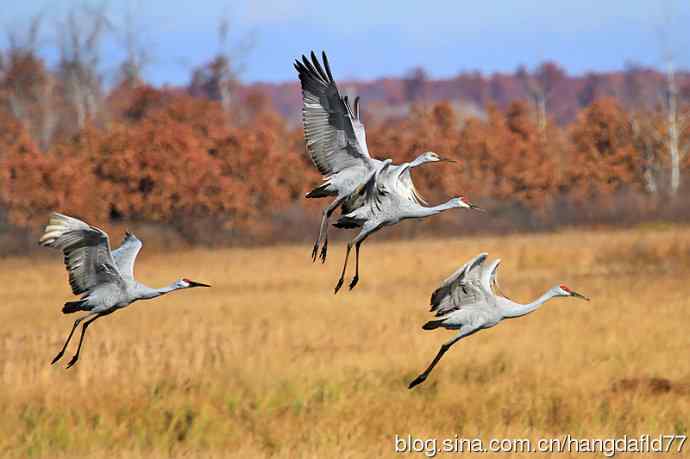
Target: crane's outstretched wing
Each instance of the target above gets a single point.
(462, 288)
(87, 252)
(369, 198)
(406, 189)
(125, 255)
(489, 277)
(334, 135)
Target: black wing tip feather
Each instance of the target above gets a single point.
(319, 68)
(436, 298)
(312, 68)
(472, 264)
(327, 65)
(309, 69)
(478, 260)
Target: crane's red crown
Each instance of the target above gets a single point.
(565, 287)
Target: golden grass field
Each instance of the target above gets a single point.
(269, 363)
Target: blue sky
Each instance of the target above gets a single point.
(367, 39)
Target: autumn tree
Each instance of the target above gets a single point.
(80, 35)
(137, 57)
(218, 79)
(34, 183)
(507, 159)
(26, 85)
(539, 86)
(604, 160)
(414, 85)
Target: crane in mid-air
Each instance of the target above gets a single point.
(104, 278)
(467, 301)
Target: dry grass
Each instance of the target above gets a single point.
(270, 363)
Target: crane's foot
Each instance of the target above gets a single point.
(57, 357)
(324, 251)
(314, 252)
(354, 282)
(418, 380)
(340, 284)
(73, 361)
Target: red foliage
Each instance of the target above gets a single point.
(35, 183)
(167, 156)
(603, 158)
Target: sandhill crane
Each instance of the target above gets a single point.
(336, 141)
(467, 301)
(104, 278)
(388, 197)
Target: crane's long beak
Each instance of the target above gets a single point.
(472, 206)
(447, 160)
(577, 295)
(197, 284)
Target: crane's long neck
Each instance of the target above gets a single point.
(510, 309)
(147, 293)
(418, 161)
(424, 211)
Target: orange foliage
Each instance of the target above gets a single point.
(507, 158)
(603, 158)
(34, 183)
(167, 156)
(502, 157)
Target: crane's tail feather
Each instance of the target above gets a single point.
(74, 306)
(433, 324)
(347, 222)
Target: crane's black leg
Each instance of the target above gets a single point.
(324, 248)
(356, 278)
(329, 212)
(444, 348)
(81, 340)
(422, 377)
(342, 274)
(323, 232)
(69, 338)
(358, 241)
(315, 251)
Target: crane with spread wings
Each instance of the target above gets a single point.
(104, 278)
(388, 197)
(336, 142)
(468, 301)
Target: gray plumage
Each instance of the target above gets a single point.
(469, 301)
(336, 142)
(104, 278)
(388, 198)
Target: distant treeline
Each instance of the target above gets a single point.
(217, 160)
(563, 95)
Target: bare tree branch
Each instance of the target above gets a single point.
(80, 40)
(218, 78)
(137, 55)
